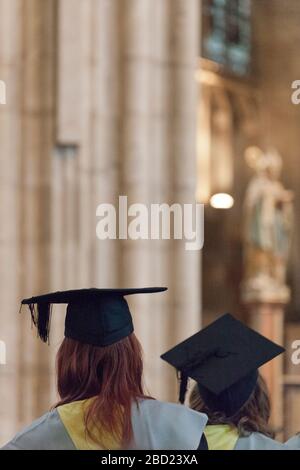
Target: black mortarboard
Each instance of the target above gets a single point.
(223, 359)
(94, 316)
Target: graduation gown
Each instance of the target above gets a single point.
(156, 425)
(258, 441)
(226, 437)
(294, 442)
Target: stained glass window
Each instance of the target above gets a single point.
(226, 34)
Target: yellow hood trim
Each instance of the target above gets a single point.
(72, 416)
(221, 436)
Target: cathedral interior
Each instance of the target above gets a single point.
(164, 101)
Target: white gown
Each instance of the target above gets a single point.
(294, 442)
(258, 441)
(156, 425)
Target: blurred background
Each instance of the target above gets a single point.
(162, 101)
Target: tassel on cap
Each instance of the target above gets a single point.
(99, 317)
(183, 387)
(41, 318)
(223, 358)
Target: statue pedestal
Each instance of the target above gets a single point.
(268, 319)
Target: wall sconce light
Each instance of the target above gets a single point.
(221, 201)
(221, 152)
(215, 149)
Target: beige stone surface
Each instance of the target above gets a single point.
(101, 102)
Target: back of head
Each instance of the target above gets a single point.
(111, 375)
(100, 358)
(253, 416)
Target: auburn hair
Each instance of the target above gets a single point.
(111, 375)
(252, 417)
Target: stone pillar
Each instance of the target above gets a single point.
(138, 69)
(107, 111)
(10, 155)
(158, 152)
(105, 125)
(268, 319)
(37, 142)
(185, 265)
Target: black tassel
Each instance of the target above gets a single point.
(183, 387)
(44, 320)
(41, 318)
(33, 314)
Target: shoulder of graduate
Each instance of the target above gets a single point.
(259, 441)
(156, 425)
(294, 442)
(166, 425)
(45, 433)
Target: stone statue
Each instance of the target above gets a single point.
(268, 227)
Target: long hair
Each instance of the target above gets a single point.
(252, 417)
(111, 375)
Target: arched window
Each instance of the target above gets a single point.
(226, 34)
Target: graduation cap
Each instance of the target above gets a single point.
(223, 359)
(99, 317)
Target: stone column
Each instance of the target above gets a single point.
(268, 319)
(37, 142)
(158, 152)
(107, 111)
(72, 226)
(105, 125)
(183, 114)
(10, 154)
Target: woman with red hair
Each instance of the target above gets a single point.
(102, 403)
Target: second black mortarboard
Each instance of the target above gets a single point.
(99, 317)
(223, 359)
